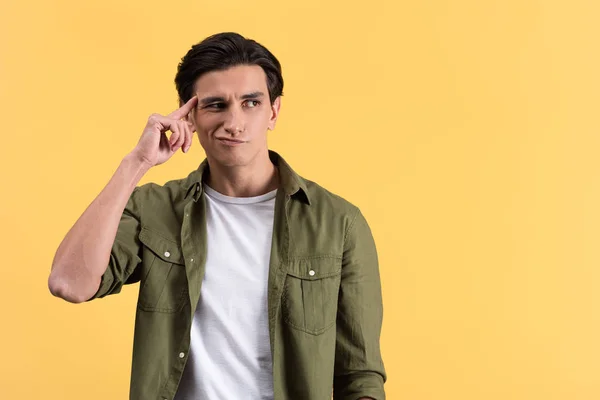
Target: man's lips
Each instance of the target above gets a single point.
(230, 142)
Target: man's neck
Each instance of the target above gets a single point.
(258, 178)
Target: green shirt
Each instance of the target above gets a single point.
(324, 291)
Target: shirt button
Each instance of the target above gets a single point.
(167, 254)
(311, 272)
(192, 260)
(181, 355)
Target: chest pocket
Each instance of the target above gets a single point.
(163, 287)
(310, 294)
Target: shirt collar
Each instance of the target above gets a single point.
(292, 184)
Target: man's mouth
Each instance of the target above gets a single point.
(230, 142)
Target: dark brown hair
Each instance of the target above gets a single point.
(222, 51)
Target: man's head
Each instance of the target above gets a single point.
(239, 86)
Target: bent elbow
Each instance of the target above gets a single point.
(59, 287)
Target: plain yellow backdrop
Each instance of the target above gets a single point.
(466, 131)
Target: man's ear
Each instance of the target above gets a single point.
(275, 107)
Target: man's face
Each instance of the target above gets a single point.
(233, 114)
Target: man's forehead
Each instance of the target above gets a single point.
(236, 80)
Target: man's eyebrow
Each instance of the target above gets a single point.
(253, 95)
(214, 99)
(211, 99)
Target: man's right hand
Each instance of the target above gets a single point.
(154, 147)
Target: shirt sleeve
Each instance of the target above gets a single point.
(125, 251)
(359, 370)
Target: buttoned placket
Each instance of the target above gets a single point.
(193, 246)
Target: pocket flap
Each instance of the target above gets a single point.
(166, 249)
(315, 268)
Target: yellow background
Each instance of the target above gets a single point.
(467, 132)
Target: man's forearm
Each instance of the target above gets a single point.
(83, 255)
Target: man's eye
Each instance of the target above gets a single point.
(215, 105)
(252, 103)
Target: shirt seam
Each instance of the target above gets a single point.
(351, 226)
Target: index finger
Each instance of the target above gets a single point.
(184, 109)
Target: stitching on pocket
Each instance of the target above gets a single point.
(314, 333)
(148, 302)
(180, 304)
(288, 301)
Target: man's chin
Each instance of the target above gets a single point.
(232, 158)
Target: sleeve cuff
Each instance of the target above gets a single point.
(359, 385)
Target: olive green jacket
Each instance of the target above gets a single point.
(324, 292)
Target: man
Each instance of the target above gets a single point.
(255, 283)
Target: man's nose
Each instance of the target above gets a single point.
(234, 121)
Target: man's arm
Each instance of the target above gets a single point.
(83, 256)
(359, 371)
(85, 253)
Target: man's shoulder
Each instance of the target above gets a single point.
(156, 194)
(323, 198)
(320, 226)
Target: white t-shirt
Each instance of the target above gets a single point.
(230, 355)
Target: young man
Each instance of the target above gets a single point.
(255, 283)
